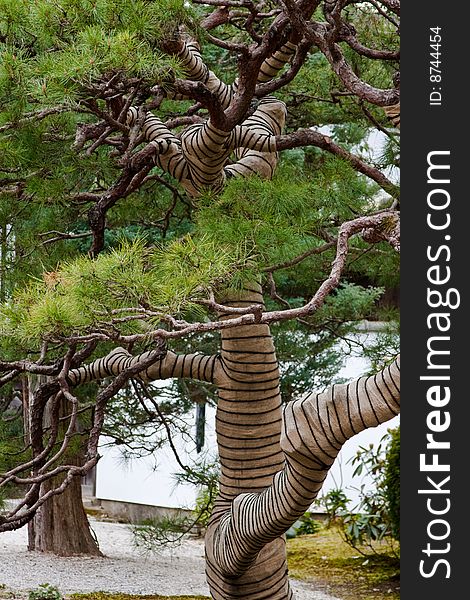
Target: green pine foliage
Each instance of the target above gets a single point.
(50, 54)
(251, 225)
(52, 49)
(156, 255)
(83, 293)
(350, 302)
(279, 219)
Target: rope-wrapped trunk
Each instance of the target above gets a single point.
(274, 463)
(194, 366)
(393, 113)
(199, 158)
(248, 425)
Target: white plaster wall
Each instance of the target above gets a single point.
(147, 480)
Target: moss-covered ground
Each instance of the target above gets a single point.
(325, 560)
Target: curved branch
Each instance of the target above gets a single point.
(393, 5)
(15, 520)
(314, 430)
(356, 45)
(63, 236)
(33, 499)
(309, 137)
(9, 376)
(30, 367)
(385, 222)
(131, 178)
(196, 90)
(268, 86)
(219, 17)
(325, 39)
(230, 46)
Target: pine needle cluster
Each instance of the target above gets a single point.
(84, 294)
(51, 50)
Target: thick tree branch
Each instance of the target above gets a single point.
(26, 366)
(196, 90)
(193, 366)
(219, 17)
(130, 181)
(250, 69)
(262, 89)
(314, 430)
(393, 5)
(356, 45)
(332, 51)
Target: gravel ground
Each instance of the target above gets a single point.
(171, 572)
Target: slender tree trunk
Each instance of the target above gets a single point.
(61, 525)
(248, 424)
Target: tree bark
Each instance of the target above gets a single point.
(61, 525)
(248, 425)
(273, 464)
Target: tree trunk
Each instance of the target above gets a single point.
(248, 425)
(61, 525)
(272, 464)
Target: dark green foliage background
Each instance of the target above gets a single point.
(392, 481)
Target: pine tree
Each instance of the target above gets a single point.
(140, 143)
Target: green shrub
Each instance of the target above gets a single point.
(335, 503)
(377, 515)
(45, 591)
(306, 525)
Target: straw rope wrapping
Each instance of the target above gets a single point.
(199, 160)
